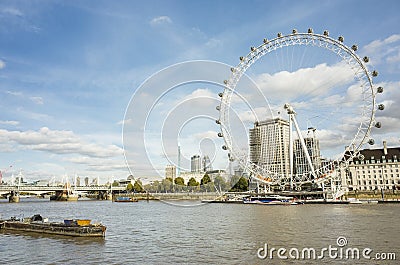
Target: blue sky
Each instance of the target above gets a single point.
(68, 69)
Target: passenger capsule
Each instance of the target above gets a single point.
(232, 69)
(378, 124)
(220, 94)
(265, 40)
(241, 58)
(220, 134)
(354, 47)
(374, 73)
(294, 31)
(279, 35)
(252, 49)
(326, 33)
(310, 30)
(379, 90)
(366, 59)
(381, 107)
(224, 147)
(341, 39)
(217, 121)
(225, 82)
(371, 141)
(218, 108)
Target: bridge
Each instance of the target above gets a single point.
(43, 190)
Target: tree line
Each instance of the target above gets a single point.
(218, 184)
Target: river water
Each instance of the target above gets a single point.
(185, 232)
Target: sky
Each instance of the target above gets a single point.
(72, 73)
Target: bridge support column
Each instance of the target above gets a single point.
(14, 197)
(103, 195)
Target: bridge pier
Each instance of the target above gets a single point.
(14, 196)
(102, 195)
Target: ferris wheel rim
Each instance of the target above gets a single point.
(346, 53)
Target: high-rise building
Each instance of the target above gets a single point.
(269, 145)
(170, 171)
(300, 160)
(206, 164)
(95, 182)
(195, 163)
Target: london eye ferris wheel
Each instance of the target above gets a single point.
(308, 113)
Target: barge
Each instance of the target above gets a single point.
(78, 228)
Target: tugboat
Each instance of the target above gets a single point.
(38, 224)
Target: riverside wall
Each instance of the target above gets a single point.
(173, 196)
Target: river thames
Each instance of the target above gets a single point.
(187, 232)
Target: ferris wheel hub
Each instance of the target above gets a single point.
(289, 108)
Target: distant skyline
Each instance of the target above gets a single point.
(68, 70)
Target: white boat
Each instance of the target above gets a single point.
(370, 202)
(269, 200)
(354, 201)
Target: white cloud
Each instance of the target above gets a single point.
(259, 113)
(213, 43)
(13, 123)
(58, 142)
(98, 164)
(395, 58)
(14, 93)
(37, 100)
(2, 64)
(122, 122)
(384, 51)
(160, 20)
(206, 135)
(378, 44)
(12, 11)
(314, 81)
(200, 93)
(14, 17)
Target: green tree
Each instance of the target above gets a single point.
(169, 179)
(115, 183)
(241, 185)
(179, 181)
(206, 184)
(179, 184)
(149, 187)
(193, 184)
(138, 186)
(220, 183)
(206, 179)
(155, 186)
(233, 181)
(166, 185)
(129, 187)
